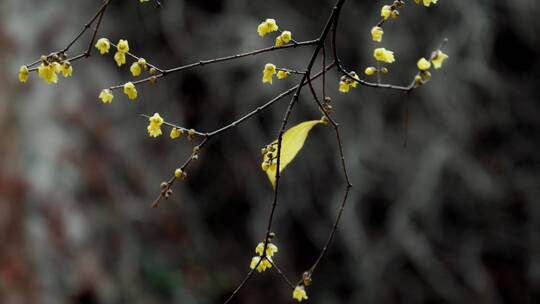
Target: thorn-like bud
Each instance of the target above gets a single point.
(164, 185)
(306, 278)
(190, 134)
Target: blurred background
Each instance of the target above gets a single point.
(453, 217)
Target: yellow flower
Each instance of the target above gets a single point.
(386, 11)
(265, 263)
(67, 69)
(344, 87)
(142, 62)
(130, 90)
(423, 64)
(268, 73)
(48, 73)
(57, 67)
(23, 74)
(120, 58)
(284, 38)
(175, 133)
(106, 96)
(282, 74)
(299, 293)
(268, 26)
(426, 2)
(370, 71)
(377, 33)
(382, 54)
(135, 69)
(438, 59)
(271, 249)
(279, 41)
(103, 45)
(122, 46)
(154, 127)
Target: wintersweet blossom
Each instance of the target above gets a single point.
(175, 133)
(23, 74)
(120, 58)
(48, 73)
(423, 64)
(260, 263)
(268, 73)
(67, 69)
(386, 11)
(271, 249)
(377, 33)
(130, 90)
(103, 45)
(154, 127)
(382, 54)
(299, 293)
(106, 96)
(282, 74)
(438, 59)
(267, 26)
(284, 38)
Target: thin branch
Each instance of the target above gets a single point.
(282, 275)
(294, 99)
(207, 136)
(99, 14)
(216, 60)
(345, 174)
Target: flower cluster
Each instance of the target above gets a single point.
(391, 11)
(437, 59)
(284, 38)
(269, 26)
(49, 69)
(263, 260)
(270, 70)
(122, 49)
(154, 128)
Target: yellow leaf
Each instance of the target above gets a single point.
(292, 142)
